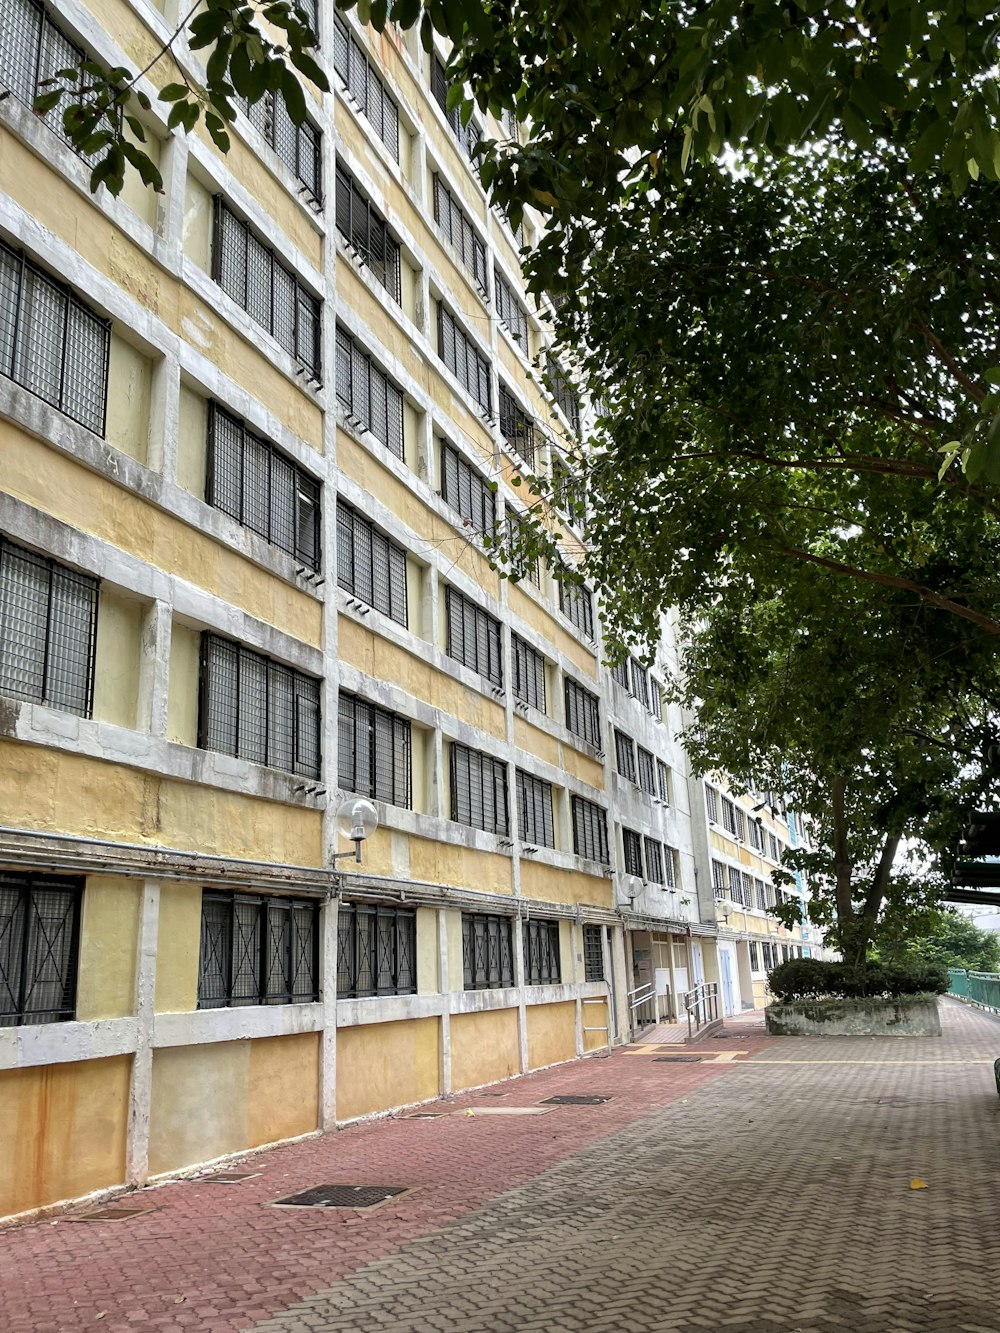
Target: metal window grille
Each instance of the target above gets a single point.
(754, 957)
(479, 790)
(523, 561)
(647, 771)
(262, 488)
(460, 354)
(39, 947)
(374, 752)
(534, 810)
(517, 427)
(739, 823)
(568, 492)
(473, 636)
(565, 397)
(468, 136)
(367, 232)
(712, 803)
(632, 852)
(590, 830)
(512, 313)
(718, 878)
(51, 343)
(756, 834)
(593, 953)
(461, 235)
(487, 951)
(370, 399)
(257, 709)
(762, 895)
(257, 950)
(298, 146)
(640, 683)
(369, 565)
(583, 713)
(663, 781)
(48, 631)
(518, 231)
(250, 272)
(670, 866)
(527, 673)
(576, 604)
(468, 493)
(625, 755)
(363, 86)
(619, 672)
(729, 816)
(740, 887)
(540, 941)
(775, 847)
(654, 860)
(376, 950)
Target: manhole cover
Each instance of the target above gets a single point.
(478, 1111)
(425, 1115)
(342, 1196)
(110, 1215)
(729, 1036)
(229, 1177)
(570, 1100)
(676, 1059)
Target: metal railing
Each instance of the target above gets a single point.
(702, 1006)
(643, 999)
(981, 988)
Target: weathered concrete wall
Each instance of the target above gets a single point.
(916, 1016)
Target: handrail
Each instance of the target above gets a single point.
(642, 994)
(702, 1006)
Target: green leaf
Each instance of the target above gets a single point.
(173, 92)
(295, 100)
(47, 102)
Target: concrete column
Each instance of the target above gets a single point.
(154, 669)
(674, 1006)
(445, 985)
(328, 1042)
(522, 1009)
(141, 1082)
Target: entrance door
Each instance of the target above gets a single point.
(730, 985)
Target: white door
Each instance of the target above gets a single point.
(730, 979)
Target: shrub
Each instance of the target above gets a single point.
(812, 979)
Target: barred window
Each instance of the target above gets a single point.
(565, 397)
(258, 709)
(527, 673)
(467, 135)
(298, 146)
(670, 866)
(632, 852)
(460, 354)
(590, 830)
(516, 426)
(376, 950)
(460, 233)
(647, 771)
(523, 558)
(756, 834)
(583, 713)
(774, 847)
(769, 954)
(762, 894)
(374, 752)
(734, 819)
(50, 342)
(568, 491)
(718, 878)
(257, 950)
(487, 951)
(479, 790)
(593, 953)
(740, 887)
(754, 957)
(370, 399)
(363, 86)
(249, 271)
(253, 482)
(518, 231)
(365, 229)
(576, 604)
(625, 755)
(663, 781)
(534, 810)
(39, 946)
(640, 683)
(473, 636)
(369, 565)
(512, 313)
(467, 491)
(654, 860)
(712, 803)
(48, 631)
(541, 952)
(620, 673)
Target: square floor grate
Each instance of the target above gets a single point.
(342, 1196)
(676, 1059)
(569, 1099)
(110, 1215)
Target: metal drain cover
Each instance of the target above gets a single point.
(229, 1177)
(425, 1115)
(572, 1100)
(110, 1215)
(676, 1059)
(342, 1196)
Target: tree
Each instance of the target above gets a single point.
(951, 939)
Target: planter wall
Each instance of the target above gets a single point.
(911, 1016)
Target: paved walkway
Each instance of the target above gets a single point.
(766, 1188)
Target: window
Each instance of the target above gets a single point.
(257, 709)
(583, 713)
(369, 565)
(647, 771)
(370, 399)
(754, 957)
(541, 953)
(663, 781)
(625, 755)
(768, 955)
(757, 838)
(774, 847)
(619, 672)
(534, 810)
(460, 354)
(460, 233)
(632, 849)
(487, 951)
(517, 427)
(733, 819)
(473, 636)
(298, 146)
(654, 860)
(527, 673)
(39, 932)
(762, 893)
(365, 229)
(467, 491)
(467, 135)
(593, 953)
(590, 830)
(670, 867)
(48, 631)
(251, 274)
(523, 559)
(513, 315)
(565, 398)
(740, 887)
(376, 950)
(712, 804)
(257, 950)
(51, 343)
(363, 86)
(374, 752)
(640, 683)
(576, 604)
(253, 482)
(479, 790)
(568, 492)
(719, 878)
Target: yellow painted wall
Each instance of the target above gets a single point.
(483, 1048)
(284, 1087)
(533, 740)
(553, 885)
(582, 766)
(129, 378)
(551, 1033)
(109, 933)
(384, 1065)
(464, 867)
(178, 942)
(199, 1106)
(526, 609)
(456, 956)
(62, 1131)
(428, 979)
(192, 441)
(116, 666)
(593, 1016)
(182, 688)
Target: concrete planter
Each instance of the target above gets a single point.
(911, 1016)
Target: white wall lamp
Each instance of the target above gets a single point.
(357, 820)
